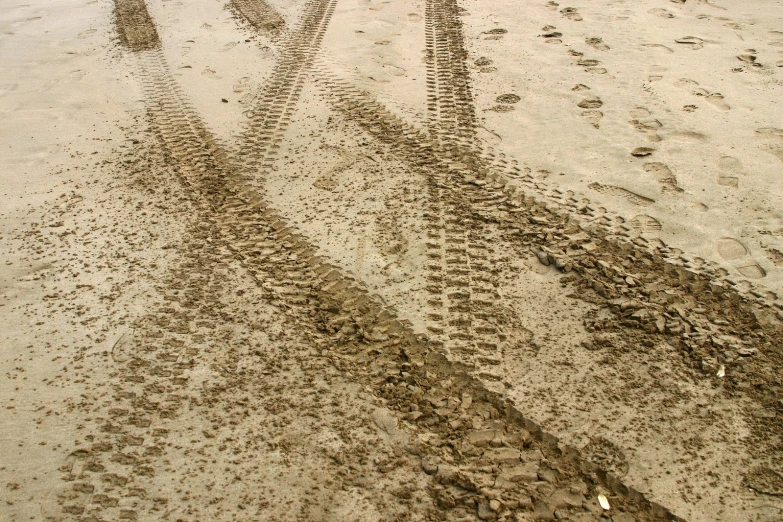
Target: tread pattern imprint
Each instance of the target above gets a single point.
(448, 437)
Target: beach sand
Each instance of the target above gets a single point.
(375, 260)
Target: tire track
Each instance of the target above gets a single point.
(462, 286)
(637, 279)
(545, 222)
(134, 26)
(273, 109)
(367, 341)
(452, 114)
(260, 15)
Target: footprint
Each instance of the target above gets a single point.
(593, 117)
(209, 73)
(729, 163)
(590, 102)
(580, 87)
(738, 256)
(550, 35)
(552, 5)
(85, 34)
(413, 17)
(243, 84)
(645, 226)
(693, 42)
(659, 46)
(484, 65)
(776, 256)
(729, 167)
(597, 43)
(728, 181)
(688, 136)
(647, 126)
(655, 73)
(663, 13)
(664, 176)
(494, 34)
(775, 136)
(507, 98)
(749, 57)
(686, 83)
(502, 108)
(612, 190)
(571, 13)
(640, 152)
(716, 100)
(639, 112)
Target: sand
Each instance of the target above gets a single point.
(358, 260)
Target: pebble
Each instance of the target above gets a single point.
(543, 257)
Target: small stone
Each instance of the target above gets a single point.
(224, 100)
(543, 257)
(495, 505)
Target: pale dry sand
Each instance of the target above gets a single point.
(238, 236)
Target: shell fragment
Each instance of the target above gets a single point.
(604, 502)
(721, 371)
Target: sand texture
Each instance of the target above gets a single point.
(362, 260)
